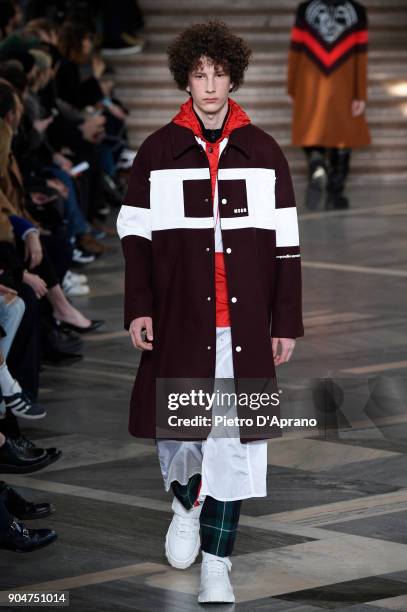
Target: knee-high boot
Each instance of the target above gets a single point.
(317, 176)
(339, 161)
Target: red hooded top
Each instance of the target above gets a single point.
(236, 118)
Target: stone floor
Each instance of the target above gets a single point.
(332, 533)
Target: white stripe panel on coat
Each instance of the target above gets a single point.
(260, 184)
(134, 221)
(167, 199)
(287, 227)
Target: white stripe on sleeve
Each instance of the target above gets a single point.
(134, 221)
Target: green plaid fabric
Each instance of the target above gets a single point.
(219, 521)
(188, 493)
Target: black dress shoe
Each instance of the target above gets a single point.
(28, 446)
(82, 330)
(14, 461)
(20, 539)
(19, 507)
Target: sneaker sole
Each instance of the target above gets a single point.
(216, 597)
(181, 564)
(27, 416)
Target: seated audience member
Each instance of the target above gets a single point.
(39, 271)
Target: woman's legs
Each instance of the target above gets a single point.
(63, 310)
(11, 313)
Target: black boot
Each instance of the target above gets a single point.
(23, 509)
(338, 172)
(317, 177)
(20, 539)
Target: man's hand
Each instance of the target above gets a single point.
(36, 283)
(286, 349)
(59, 187)
(41, 125)
(62, 161)
(358, 107)
(136, 327)
(33, 249)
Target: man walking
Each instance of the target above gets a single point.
(213, 277)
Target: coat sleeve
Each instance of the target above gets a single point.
(134, 229)
(287, 300)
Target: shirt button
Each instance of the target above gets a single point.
(206, 199)
(207, 249)
(238, 349)
(228, 250)
(224, 201)
(233, 299)
(209, 298)
(209, 348)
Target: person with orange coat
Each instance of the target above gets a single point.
(327, 81)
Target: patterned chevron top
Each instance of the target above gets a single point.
(329, 31)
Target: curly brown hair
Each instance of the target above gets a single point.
(213, 40)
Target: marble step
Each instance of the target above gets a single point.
(267, 97)
(270, 37)
(256, 21)
(266, 57)
(376, 115)
(242, 6)
(255, 73)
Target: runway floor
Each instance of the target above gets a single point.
(332, 533)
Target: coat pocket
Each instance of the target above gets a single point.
(233, 198)
(197, 198)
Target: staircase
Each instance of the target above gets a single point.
(145, 85)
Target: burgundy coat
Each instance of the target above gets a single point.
(166, 228)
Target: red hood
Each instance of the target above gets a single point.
(186, 117)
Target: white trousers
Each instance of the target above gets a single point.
(230, 470)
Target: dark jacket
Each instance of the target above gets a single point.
(167, 230)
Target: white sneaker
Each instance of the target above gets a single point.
(76, 290)
(182, 542)
(73, 287)
(81, 257)
(75, 278)
(215, 584)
